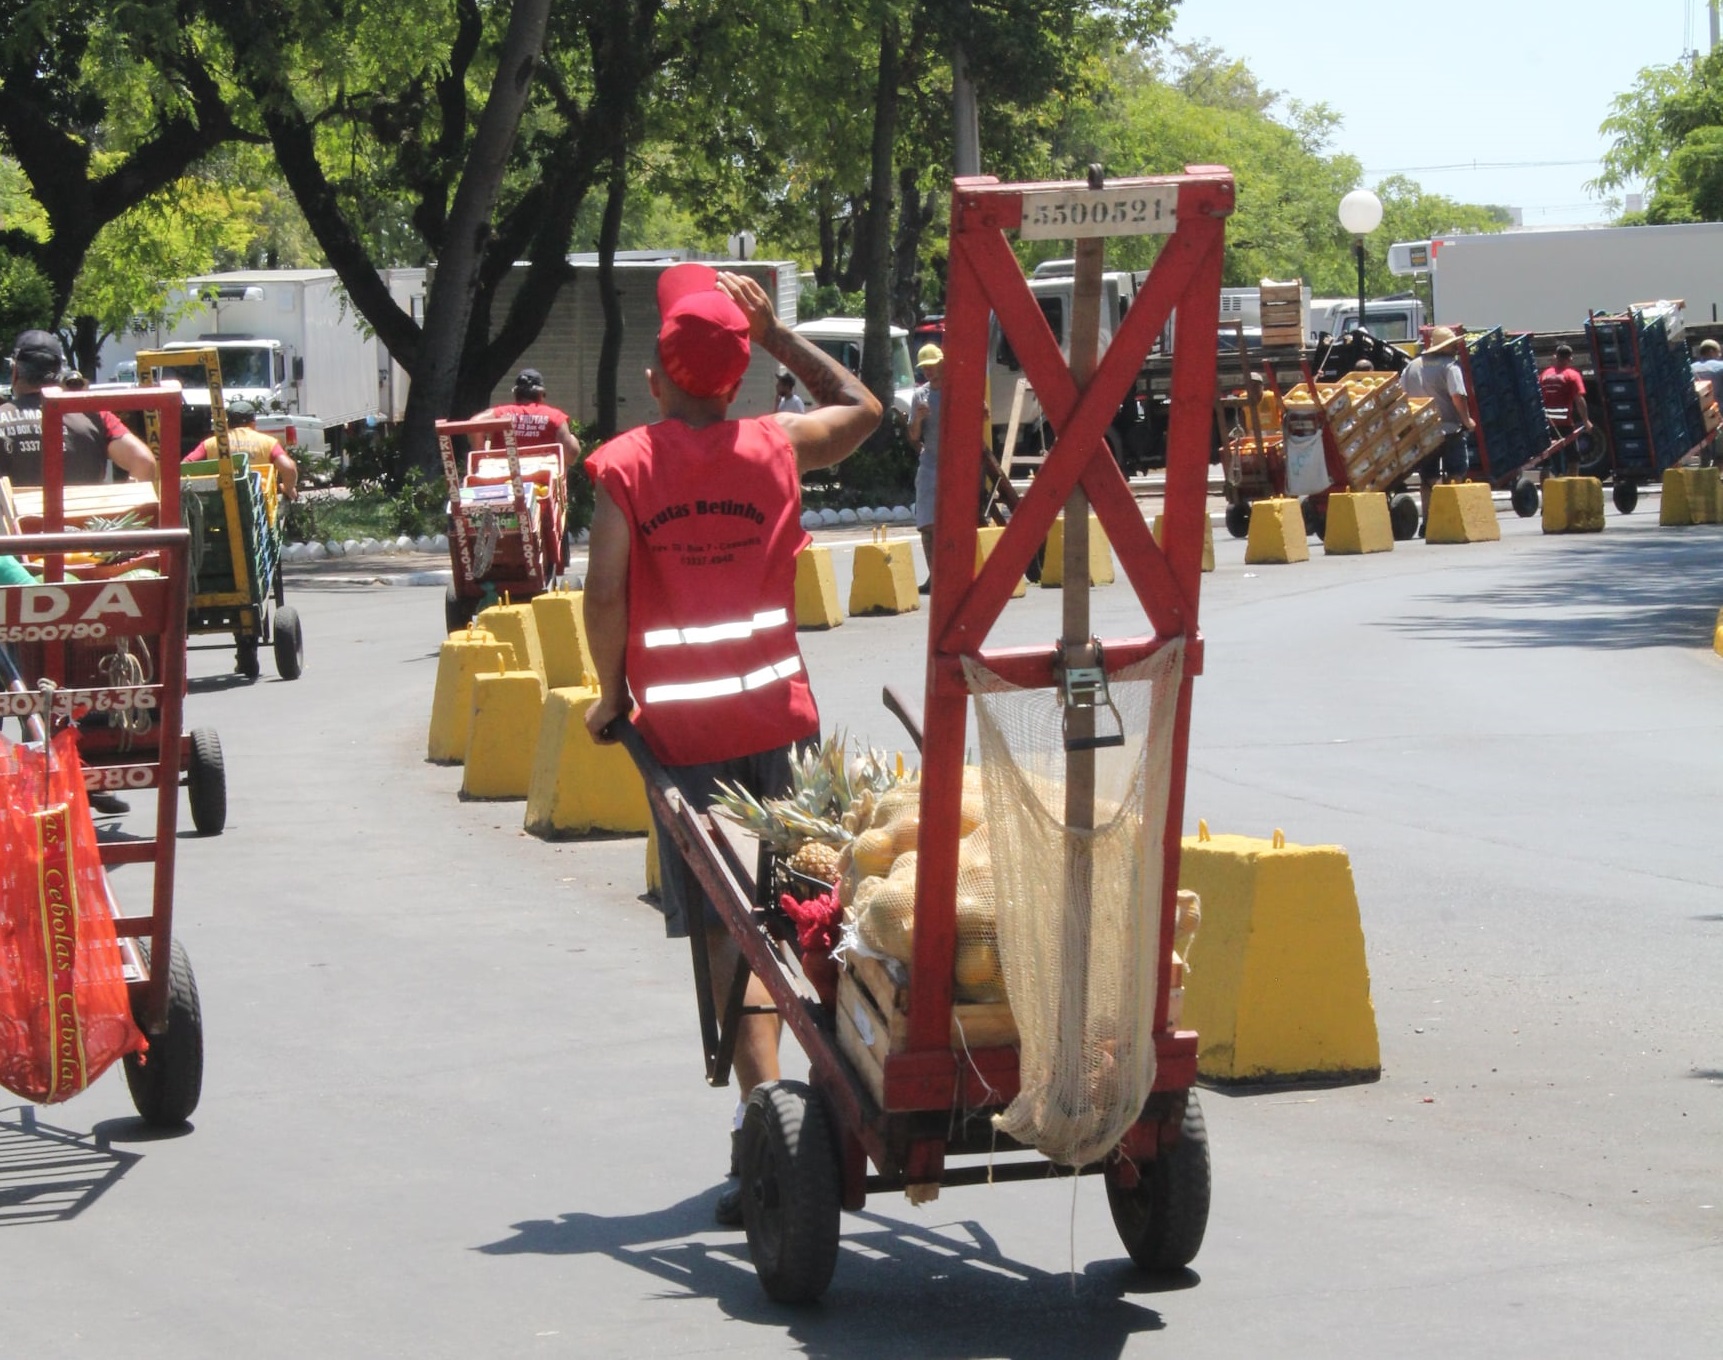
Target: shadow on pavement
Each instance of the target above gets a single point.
(51, 1175)
(1653, 591)
(943, 1291)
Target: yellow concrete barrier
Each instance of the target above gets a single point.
(986, 540)
(1100, 555)
(1572, 505)
(1208, 539)
(1717, 635)
(1690, 496)
(816, 589)
(1462, 512)
(1358, 522)
(1276, 532)
(1277, 987)
(515, 625)
(503, 735)
(463, 656)
(654, 878)
(575, 785)
(560, 621)
(882, 578)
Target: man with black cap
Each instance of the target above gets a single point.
(691, 583)
(94, 444)
(535, 420)
(244, 438)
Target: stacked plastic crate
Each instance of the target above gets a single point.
(1643, 367)
(1512, 426)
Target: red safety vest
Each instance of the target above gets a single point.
(535, 422)
(712, 657)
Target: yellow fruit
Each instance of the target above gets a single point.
(887, 925)
(978, 974)
(905, 834)
(973, 814)
(874, 853)
(816, 861)
(904, 866)
(894, 802)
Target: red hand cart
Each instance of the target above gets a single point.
(928, 1099)
(62, 631)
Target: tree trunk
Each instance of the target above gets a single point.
(449, 299)
(914, 215)
(875, 233)
(610, 351)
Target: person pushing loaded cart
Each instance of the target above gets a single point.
(690, 601)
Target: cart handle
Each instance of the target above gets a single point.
(906, 710)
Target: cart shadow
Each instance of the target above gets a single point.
(944, 1291)
(51, 1175)
(1621, 595)
(217, 684)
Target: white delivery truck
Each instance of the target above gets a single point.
(1052, 284)
(1546, 280)
(289, 342)
(566, 351)
(841, 337)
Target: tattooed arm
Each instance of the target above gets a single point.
(845, 411)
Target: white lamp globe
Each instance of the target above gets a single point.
(1360, 212)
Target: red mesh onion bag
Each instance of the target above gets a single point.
(64, 1014)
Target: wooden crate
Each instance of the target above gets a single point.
(873, 1021)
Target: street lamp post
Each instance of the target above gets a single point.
(1360, 214)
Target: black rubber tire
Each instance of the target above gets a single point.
(206, 782)
(1524, 498)
(1315, 517)
(1238, 519)
(1625, 495)
(245, 661)
(457, 613)
(289, 644)
(1162, 1218)
(791, 1190)
(1403, 517)
(166, 1082)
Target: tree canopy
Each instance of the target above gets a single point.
(1667, 133)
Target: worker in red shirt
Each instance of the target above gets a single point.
(1563, 390)
(535, 420)
(691, 584)
(244, 438)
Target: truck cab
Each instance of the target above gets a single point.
(1398, 320)
(841, 337)
(253, 369)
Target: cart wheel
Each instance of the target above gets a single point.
(1238, 518)
(1161, 1219)
(245, 661)
(1315, 518)
(1626, 496)
(1403, 516)
(1524, 498)
(791, 1196)
(457, 613)
(206, 782)
(166, 1082)
(289, 644)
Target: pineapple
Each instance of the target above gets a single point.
(816, 860)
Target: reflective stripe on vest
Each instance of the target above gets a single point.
(723, 688)
(716, 632)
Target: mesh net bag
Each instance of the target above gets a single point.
(1078, 911)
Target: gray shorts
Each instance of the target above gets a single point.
(765, 774)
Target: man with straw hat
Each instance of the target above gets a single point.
(1435, 374)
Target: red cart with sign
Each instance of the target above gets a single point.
(911, 1105)
(507, 517)
(108, 653)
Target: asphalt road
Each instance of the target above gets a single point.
(453, 1103)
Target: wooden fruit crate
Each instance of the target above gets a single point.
(873, 1021)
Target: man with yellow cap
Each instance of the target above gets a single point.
(1435, 374)
(924, 438)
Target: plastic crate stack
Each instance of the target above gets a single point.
(1646, 374)
(214, 563)
(1510, 405)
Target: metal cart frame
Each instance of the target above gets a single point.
(936, 1101)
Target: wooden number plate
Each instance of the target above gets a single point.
(1058, 214)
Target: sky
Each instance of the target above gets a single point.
(1514, 88)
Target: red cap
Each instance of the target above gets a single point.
(703, 335)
